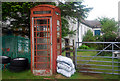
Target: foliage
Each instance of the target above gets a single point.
(83, 47)
(109, 29)
(65, 27)
(74, 10)
(89, 38)
(20, 13)
(109, 37)
(108, 24)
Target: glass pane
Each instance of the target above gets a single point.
(35, 65)
(58, 40)
(58, 34)
(43, 65)
(58, 22)
(34, 34)
(43, 40)
(41, 12)
(43, 34)
(58, 46)
(43, 59)
(57, 13)
(48, 28)
(41, 28)
(58, 28)
(97, 32)
(43, 21)
(43, 53)
(48, 21)
(35, 53)
(58, 52)
(35, 28)
(43, 46)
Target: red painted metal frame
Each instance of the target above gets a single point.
(41, 43)
(54, 18)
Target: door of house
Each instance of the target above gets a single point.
(42, 46)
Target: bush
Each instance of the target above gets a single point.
(89, 38)
(83, 47)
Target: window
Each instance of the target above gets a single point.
(57, 13)
(58, 22)
(41, 12)
(97, 32)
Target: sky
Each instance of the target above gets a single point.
(102, 8)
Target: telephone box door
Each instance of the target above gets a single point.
(42, 46)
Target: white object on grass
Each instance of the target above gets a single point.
(65, 66)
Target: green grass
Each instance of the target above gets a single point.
(28, 75)
(6, 74)
(82, 76)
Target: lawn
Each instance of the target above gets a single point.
(6, 74)
(28, 75)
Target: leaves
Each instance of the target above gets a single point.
(20, 12)
(74, 10)
(109, 29)
(108, 25)
(89, 37)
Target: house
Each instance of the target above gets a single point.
(82, 28)
(95, 26)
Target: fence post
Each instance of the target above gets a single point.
(119, 64)
(73, 52)
(67, 48)
(112, 59)
(75, 55)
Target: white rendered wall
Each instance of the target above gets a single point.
(82, 31)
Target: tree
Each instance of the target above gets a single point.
(20, 13)
(89, 38)
(72, 10)
(109, 29)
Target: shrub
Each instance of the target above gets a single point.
(83, 47)
(89, 38)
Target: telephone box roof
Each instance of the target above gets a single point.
(45, 5)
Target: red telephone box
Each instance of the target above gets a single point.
(45, 39)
